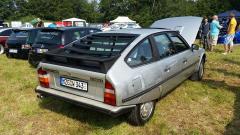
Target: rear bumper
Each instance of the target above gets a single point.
(85, 102)
(20, 52)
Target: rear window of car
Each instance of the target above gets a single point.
(32, 36)
(101, 45)
(18, 35)
(51, 37)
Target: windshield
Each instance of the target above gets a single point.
(101, 45)
(49, 37)
(19, 35)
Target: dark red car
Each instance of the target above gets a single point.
(4, 34)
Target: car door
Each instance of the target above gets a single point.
(169, 62)
(188, 58)
(145, 72)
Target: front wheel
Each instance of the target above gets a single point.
(142, 113)
(9, 55)
(32, 62)
(197, 76)
(1, 49)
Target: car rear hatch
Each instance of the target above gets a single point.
(17, 38)
(87, 62)
(66, 79)
(48, 39)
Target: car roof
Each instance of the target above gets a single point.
(20, 29)
(3, 29)
(69, 28)
(140, 31)
(72, 28)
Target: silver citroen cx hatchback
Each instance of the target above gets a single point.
(124, 71)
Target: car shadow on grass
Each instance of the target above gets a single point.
(232, 128)
(86, 116)
(217, 50)
(232, 61)
(226, 73)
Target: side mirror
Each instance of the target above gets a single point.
(195, 47)
(143, 58)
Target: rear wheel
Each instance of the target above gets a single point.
(142, 113)
(197, 76)
(1, 49)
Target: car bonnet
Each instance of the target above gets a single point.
(187, 26)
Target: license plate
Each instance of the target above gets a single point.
(13, 51)
(41, 50)
(80, 85)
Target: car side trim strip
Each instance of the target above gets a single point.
(151, 88)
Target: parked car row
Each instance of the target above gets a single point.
(32, 43)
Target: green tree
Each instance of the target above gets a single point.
(6, 8)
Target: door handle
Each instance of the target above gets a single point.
(185, 61)
(167, 69)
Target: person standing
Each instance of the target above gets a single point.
(214, 31)
(205, 28)
(228, 44)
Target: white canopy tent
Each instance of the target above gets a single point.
(75, 20)
(122, 19)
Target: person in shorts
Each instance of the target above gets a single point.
(214, 31)
(228, 44)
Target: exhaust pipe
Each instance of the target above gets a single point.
(40, 96)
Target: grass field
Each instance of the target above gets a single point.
(208, 107)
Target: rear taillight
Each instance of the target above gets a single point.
(43, 78)
(109, 94)
(61, 46)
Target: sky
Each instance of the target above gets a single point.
(92, 0)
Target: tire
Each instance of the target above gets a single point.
(9, 55)
(141, 113)
(197, 76)
(32, 62)
(1, 49)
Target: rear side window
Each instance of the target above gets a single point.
(73, 35)
(49, 37)
(141, 54)
(76, 35)
(178, 42)
(164, 46)
(6, 33)
(18, 35)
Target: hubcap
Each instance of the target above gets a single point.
(146, 110)
(1, 49)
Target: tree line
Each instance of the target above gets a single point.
(143, 11)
